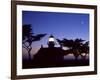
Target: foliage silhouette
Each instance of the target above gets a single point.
(76, 47)
(29, 37)
(84, 49)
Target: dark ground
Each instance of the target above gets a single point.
(66, 63)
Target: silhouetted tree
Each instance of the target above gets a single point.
(29, 37)
(84, 50)
(68, 43)
(74, 46)
(77, 47)
(60, 42)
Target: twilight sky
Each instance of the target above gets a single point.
(61, 25)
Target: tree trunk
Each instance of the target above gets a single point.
(76, 57)
(29, 53)
(76, 54)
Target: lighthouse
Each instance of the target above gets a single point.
(51, 41)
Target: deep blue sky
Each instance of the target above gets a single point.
(61, 25)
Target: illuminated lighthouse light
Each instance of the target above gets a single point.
(51, 39)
